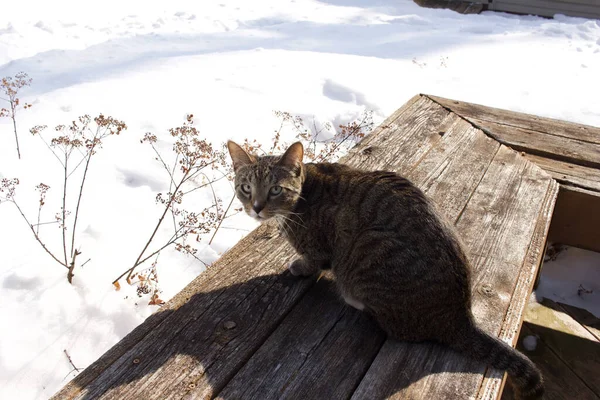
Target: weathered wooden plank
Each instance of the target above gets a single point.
(399, 145)
(321, 350)
(576, 220)
(569, 174)
(462, 7)
(512, 191)
(570, 341)
(450, 171)
(584, 317)
(191, 372)
(509, 330)
(586, 2)
(216, 325)
(424, 121)
(547, 9)
(460, 157)
(419, 371)
(561, 382)
(504, 209)
(547, 145)
(195, 345)
(584, 133)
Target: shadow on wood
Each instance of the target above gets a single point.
(190, 353)
(562, 380)
(246, 328)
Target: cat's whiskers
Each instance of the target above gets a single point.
(283, 220)
(299, 220)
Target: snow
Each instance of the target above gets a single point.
(572, 278)
(230, 63)
(530, 342)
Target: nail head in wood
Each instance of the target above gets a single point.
(486, 289)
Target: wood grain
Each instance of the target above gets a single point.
(546, 8)
(190, 347)
(571, 342)
(569, 174)
(500, 245)
(569, 130)
(321, 350)
(449, 171)
(561, 382)
(247, 329)
(544, 144)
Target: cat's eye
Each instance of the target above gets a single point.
(275, 191)
(246, 188)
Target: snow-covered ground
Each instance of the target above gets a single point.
(230, 63)
(573, 277)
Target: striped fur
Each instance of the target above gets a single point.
(391, 253)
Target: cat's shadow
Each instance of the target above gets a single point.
(233, 342)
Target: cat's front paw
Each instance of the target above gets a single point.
(299, 267)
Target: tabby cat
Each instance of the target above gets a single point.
(391, 253)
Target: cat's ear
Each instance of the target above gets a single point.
(292, 157)
(239, 155)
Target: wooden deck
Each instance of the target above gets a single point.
(544, 8)
(247, 329)
(567, 351)
(569, 152)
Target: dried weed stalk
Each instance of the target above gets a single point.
(148, 284)
(317, 148)
(196, 165)
(10, 86)
(73, 146)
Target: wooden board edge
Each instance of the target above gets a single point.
(89, 374)
(393, 117)
(563, 175)
(493, 381)
(78, 383)
(447, 104)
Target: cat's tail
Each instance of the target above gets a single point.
(526, 377)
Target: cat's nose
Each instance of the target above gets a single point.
(257, 207)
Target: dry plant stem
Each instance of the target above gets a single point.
(173, 239)
(129, 272)
(71, 361)
(64, 210)
(204, 185)
(72, 266)
(37, 226)
(221, 220)
(210, 183)
(85, 171)
(162, 161)
(45, 223)
(50, 148)
(13, 109)
(37, 237)
(12, 106)
(11, 87)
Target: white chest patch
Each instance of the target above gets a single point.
(353, 302)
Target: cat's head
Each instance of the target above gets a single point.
(268, 186)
